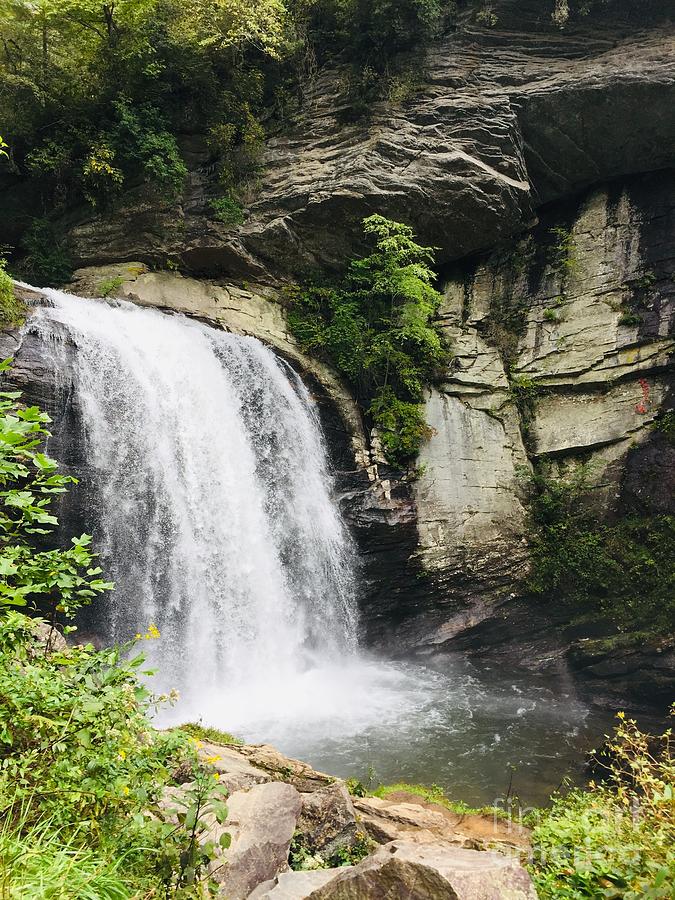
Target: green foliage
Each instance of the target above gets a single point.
(303, 859)
(524, 392)
(28, 483)
(562, 255)
(47, 261)
(142, 141)
(616, 840)
(637, 298)
(36, 863)
(80, 764)
(436, 794)
(400, 425)
(208, 733)
(94, 94)
(624, 569)
(377, 328)
(665, 425)
(109, 286)
(227, 211)
(486, 16)
(12, 310)
(630, 319)
(371, 31)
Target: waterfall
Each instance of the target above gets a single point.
(211, 495)
(207, 487)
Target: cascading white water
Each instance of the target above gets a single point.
(212, 494)
(209, 493)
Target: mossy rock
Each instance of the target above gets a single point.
(12, 308)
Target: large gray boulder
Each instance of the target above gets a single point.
(431, 871)
(261, 822)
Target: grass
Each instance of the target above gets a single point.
(41, 864)
(207, 733)
(435, 794)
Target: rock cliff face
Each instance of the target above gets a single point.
(591, 290)
(537, 161)
(503, 119)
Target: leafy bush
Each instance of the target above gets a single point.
(377, 328)
(371, 31)
(618, 839)
(109, 286)
(524, 391)
(629, 319)
(400, 425)
(141, 140)
(227, 211)
(625, 569)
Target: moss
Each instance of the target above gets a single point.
(109, 286)
(665, 425)
(607, 645)
(12, 308)
(624, 570)
(435, 794)
(505, 325)
(207, 733)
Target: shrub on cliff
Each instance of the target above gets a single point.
(624, 569)
(376, 327)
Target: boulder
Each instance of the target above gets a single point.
(283, 768)
(295, 885)
(328, 821)
(432, 871)
(405, 816)
(261, 822)
(48, 637)
(235, 771)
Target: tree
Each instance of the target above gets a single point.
(377, 328)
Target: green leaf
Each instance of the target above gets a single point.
(225, 840)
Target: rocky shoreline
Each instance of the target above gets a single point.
(288, 823)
